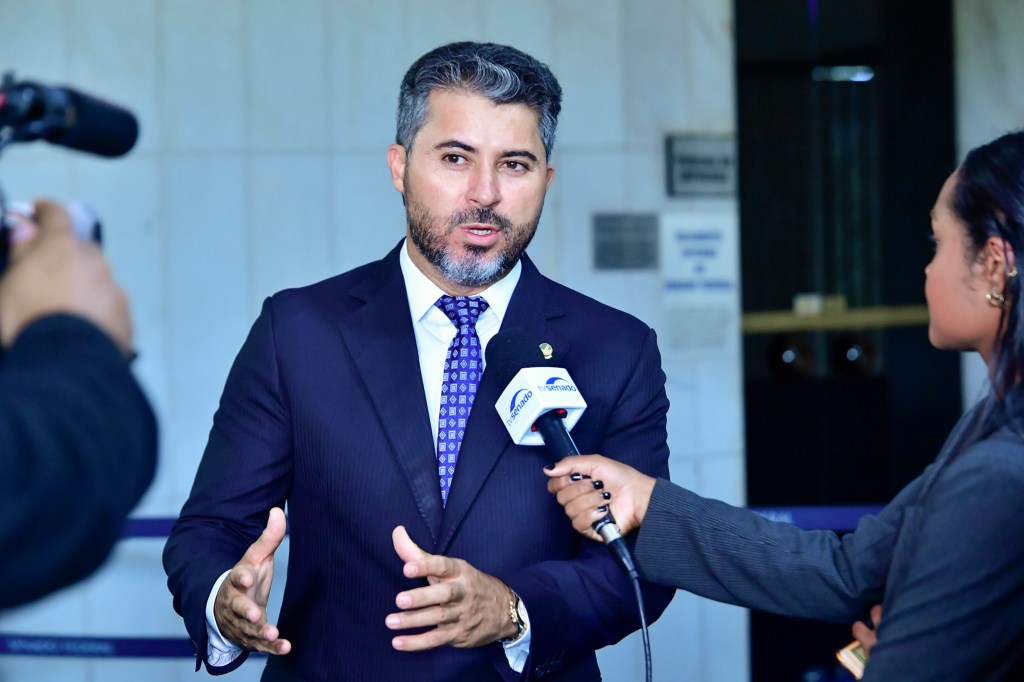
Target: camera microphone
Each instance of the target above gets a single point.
(62, 116)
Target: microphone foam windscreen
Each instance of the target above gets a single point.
(98, 127)
(509, 351)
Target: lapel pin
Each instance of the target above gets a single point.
(547, 350)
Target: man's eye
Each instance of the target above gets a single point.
(453, 159)
(515, 166)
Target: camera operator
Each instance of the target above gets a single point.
(77, 435)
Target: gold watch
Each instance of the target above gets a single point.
(517, 612)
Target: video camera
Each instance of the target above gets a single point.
(62, 116)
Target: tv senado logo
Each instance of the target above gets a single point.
(517, 403)
(559, 384)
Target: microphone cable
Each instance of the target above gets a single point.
(553, 431)
(607, 529)
(635, 579)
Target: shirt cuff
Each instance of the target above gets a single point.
(518, 650)
(219, 651)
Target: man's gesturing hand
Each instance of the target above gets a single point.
(241, 605)
(468, 607)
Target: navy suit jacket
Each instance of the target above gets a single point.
(324, 409)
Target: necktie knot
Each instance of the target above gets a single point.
(462, 310)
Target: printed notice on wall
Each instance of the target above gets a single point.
(700, 276)
(701, 165)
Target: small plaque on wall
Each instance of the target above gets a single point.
(701, 165)
(625, 241)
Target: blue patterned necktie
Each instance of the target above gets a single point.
(462, 371)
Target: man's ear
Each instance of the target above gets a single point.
(397, 157)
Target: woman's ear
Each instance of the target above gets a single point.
(998, 261)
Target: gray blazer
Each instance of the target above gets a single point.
(945, 559)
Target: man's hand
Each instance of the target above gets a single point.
(468, 607)
(867, 635)
(241, 604)
(586, 485)
(51, 272)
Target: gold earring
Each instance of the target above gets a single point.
(995, 299)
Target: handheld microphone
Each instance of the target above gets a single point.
(30, 111)
(538, 407)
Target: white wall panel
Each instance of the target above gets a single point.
(290, 236)
(202, 62)
(368, 215)
(35, 44)
(586, 56)
(207, 303)
(286, 74)
(367, 56)
(113, 46)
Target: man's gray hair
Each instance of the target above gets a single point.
(500, 73)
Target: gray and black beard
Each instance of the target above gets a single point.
(472, 268)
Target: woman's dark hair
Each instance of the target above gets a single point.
(989, 199)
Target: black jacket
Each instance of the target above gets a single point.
(77, 451)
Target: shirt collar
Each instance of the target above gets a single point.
(423, 294)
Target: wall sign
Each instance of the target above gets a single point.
(625, 241)
(701, 165)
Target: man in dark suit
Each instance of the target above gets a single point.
(424, 545)
(77, 436)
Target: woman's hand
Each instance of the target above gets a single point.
(588, 486)
(867, 635)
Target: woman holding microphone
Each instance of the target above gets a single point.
(945, 558)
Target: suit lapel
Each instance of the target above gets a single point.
(380, 338)
(486, 439)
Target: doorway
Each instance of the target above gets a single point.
(846, 134)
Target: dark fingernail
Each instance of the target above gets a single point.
(603, 508)
(598, 485)
(586, 477)
(606, 495)
(575, 477)
(549, 467)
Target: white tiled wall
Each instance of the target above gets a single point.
(261, 165)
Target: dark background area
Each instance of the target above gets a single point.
(837, 177)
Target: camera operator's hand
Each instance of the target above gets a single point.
(51, 271)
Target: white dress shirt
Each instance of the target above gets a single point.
(434, 333)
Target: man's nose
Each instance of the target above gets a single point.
(484, 189)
